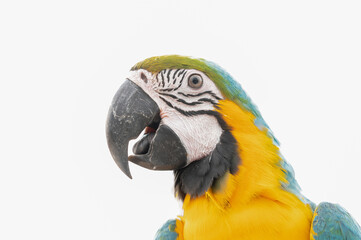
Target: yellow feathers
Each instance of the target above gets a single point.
(250, 204)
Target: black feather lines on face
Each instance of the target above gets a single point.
(200, 175)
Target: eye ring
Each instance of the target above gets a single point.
(195, 81)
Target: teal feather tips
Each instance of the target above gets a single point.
(291, 184)
(235, 93)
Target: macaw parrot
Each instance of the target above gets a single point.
(228, 170)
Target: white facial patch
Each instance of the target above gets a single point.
(185, 106)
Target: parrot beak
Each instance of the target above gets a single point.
(132, 111)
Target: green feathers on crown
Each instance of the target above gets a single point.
(156, 64)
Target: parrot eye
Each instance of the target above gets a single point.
(195, 81)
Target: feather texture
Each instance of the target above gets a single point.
(253, 203)
(331, 221)
(262, 200)
(167, 231)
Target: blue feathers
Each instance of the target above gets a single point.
(236, 93)
(292, 185)
(331, 221)
(239, 96)
(166, 232)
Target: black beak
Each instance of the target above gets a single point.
(131, 111)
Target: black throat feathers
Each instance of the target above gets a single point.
(200, 175)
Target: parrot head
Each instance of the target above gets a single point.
(175, 101)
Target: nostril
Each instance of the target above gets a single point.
(144, 78)
(150, 130)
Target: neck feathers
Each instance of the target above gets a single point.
(263, 170)
(245, 164)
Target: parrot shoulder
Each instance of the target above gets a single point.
(167, 231)
(331, 221)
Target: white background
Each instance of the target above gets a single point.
(62, 61)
